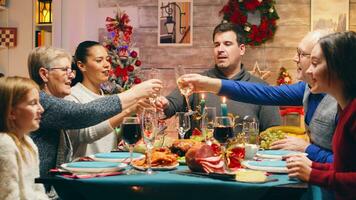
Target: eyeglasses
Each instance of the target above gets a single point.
(302, 53)
(68, 70)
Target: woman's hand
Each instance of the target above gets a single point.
(145, 89)
(290, 143)
(201, 83)
(141, 105)
(299, 166)
(148, 88)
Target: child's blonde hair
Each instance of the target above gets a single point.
(13, 90)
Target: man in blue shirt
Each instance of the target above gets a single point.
(321, 109)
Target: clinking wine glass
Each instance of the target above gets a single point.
(223, 131)
(186, 89)
(183, 123)
(131, 132)
(208, 119)
(149, 126)
(154, 73)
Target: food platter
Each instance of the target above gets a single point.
(157, 168)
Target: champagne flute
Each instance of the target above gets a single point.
(186, 89)
(149, 126)
(154, 73)
(209, 116)
(131, 132)
(223, 131)
(183, 123)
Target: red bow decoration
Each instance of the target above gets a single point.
(120, 24)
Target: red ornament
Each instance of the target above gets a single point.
(130, 68)
(133, 54)
(138, 63)
(137, 80)
(196, 132)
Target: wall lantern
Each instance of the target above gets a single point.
(44, 11)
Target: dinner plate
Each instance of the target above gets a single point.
(116, 157)
(158, 168)
(274, 166)
(277, 154)
(93, 167)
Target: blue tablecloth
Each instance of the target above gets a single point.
(168, 185)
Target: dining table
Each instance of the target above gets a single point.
(178, 184)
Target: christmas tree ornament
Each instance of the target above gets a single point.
(284, 77)
(256, 71)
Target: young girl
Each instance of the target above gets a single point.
(19, 164)
(92, 69)
(333, 71)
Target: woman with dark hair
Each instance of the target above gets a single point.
(92, 66)
(333, 71)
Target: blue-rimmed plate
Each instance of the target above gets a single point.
(274, 166)
(277, 154)
(116, 157)
(93, 167)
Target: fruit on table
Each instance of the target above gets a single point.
(275, 133)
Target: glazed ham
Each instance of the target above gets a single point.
(203, 158)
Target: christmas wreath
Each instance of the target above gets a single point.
(236, 11)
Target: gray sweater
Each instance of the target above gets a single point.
(61, 114)
(267, 115)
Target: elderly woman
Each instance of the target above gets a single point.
(51, 69)
(92, 69)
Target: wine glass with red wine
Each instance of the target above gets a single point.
(131, 132)
(223, 131)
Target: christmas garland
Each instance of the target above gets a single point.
(236, 11)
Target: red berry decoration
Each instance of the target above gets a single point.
(130, 68)
(137, 80)
(138, 63)
(133, 54)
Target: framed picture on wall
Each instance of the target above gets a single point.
(331, 15)
(2, 2)
(175, 23)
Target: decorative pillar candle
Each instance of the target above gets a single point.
(202, 104)
(223, 107)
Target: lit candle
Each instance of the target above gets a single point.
(202, 104)
(223, 107)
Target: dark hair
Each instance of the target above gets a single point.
(339, 50)
(228, 26)
(81, 54)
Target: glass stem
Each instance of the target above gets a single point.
(131, 147)
(149, 152)
(223, 153)
(188, 105)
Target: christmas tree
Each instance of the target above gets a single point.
(284, 77)
(124, 61)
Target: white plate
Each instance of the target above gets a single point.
(116, 157)
(249, 165)
(160, 168)
(90, 169)
(277, 154)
